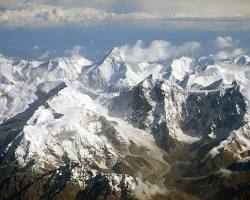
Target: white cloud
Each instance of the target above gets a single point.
(225, 42)
(36, 47)
(181, 8)
(187, 48)
(146, 190)
(227, 47)
(46, 15)
(75, 51)
(47, 55)
(83, 13)
(158, 50)
(44, 55)
(194, 8)
(230, 53)
(65, 3)
(37, 15)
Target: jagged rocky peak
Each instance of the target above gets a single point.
(144, 95)
(155, 105)
(73, 65)
(205, 61)
(220, 111)
(242, 60)
(171, 113)
(180, 68)
(220, 117)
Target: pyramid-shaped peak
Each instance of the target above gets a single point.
(115, 54)
(114, 51)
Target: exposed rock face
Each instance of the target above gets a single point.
(155, 105)
(219, 111)
(170, 112)
(62, 183)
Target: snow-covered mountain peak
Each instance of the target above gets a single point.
(181, 67)
(113, 66)
(73, 66)
(115, 54)
(242, 60)
(151, 80)
(112, 74)
(75, 60)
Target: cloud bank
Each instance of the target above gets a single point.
(227, 46)
(46, 15)
(184, 8)
(158, 50)
(222, 55)
(180, 13)
(225, 42)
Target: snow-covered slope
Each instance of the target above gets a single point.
(20, 80)
(66, 127)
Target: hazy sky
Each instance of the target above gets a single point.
(42, 28)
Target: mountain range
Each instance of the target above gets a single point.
(71, 128)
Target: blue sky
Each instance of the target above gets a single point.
(42, 28)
